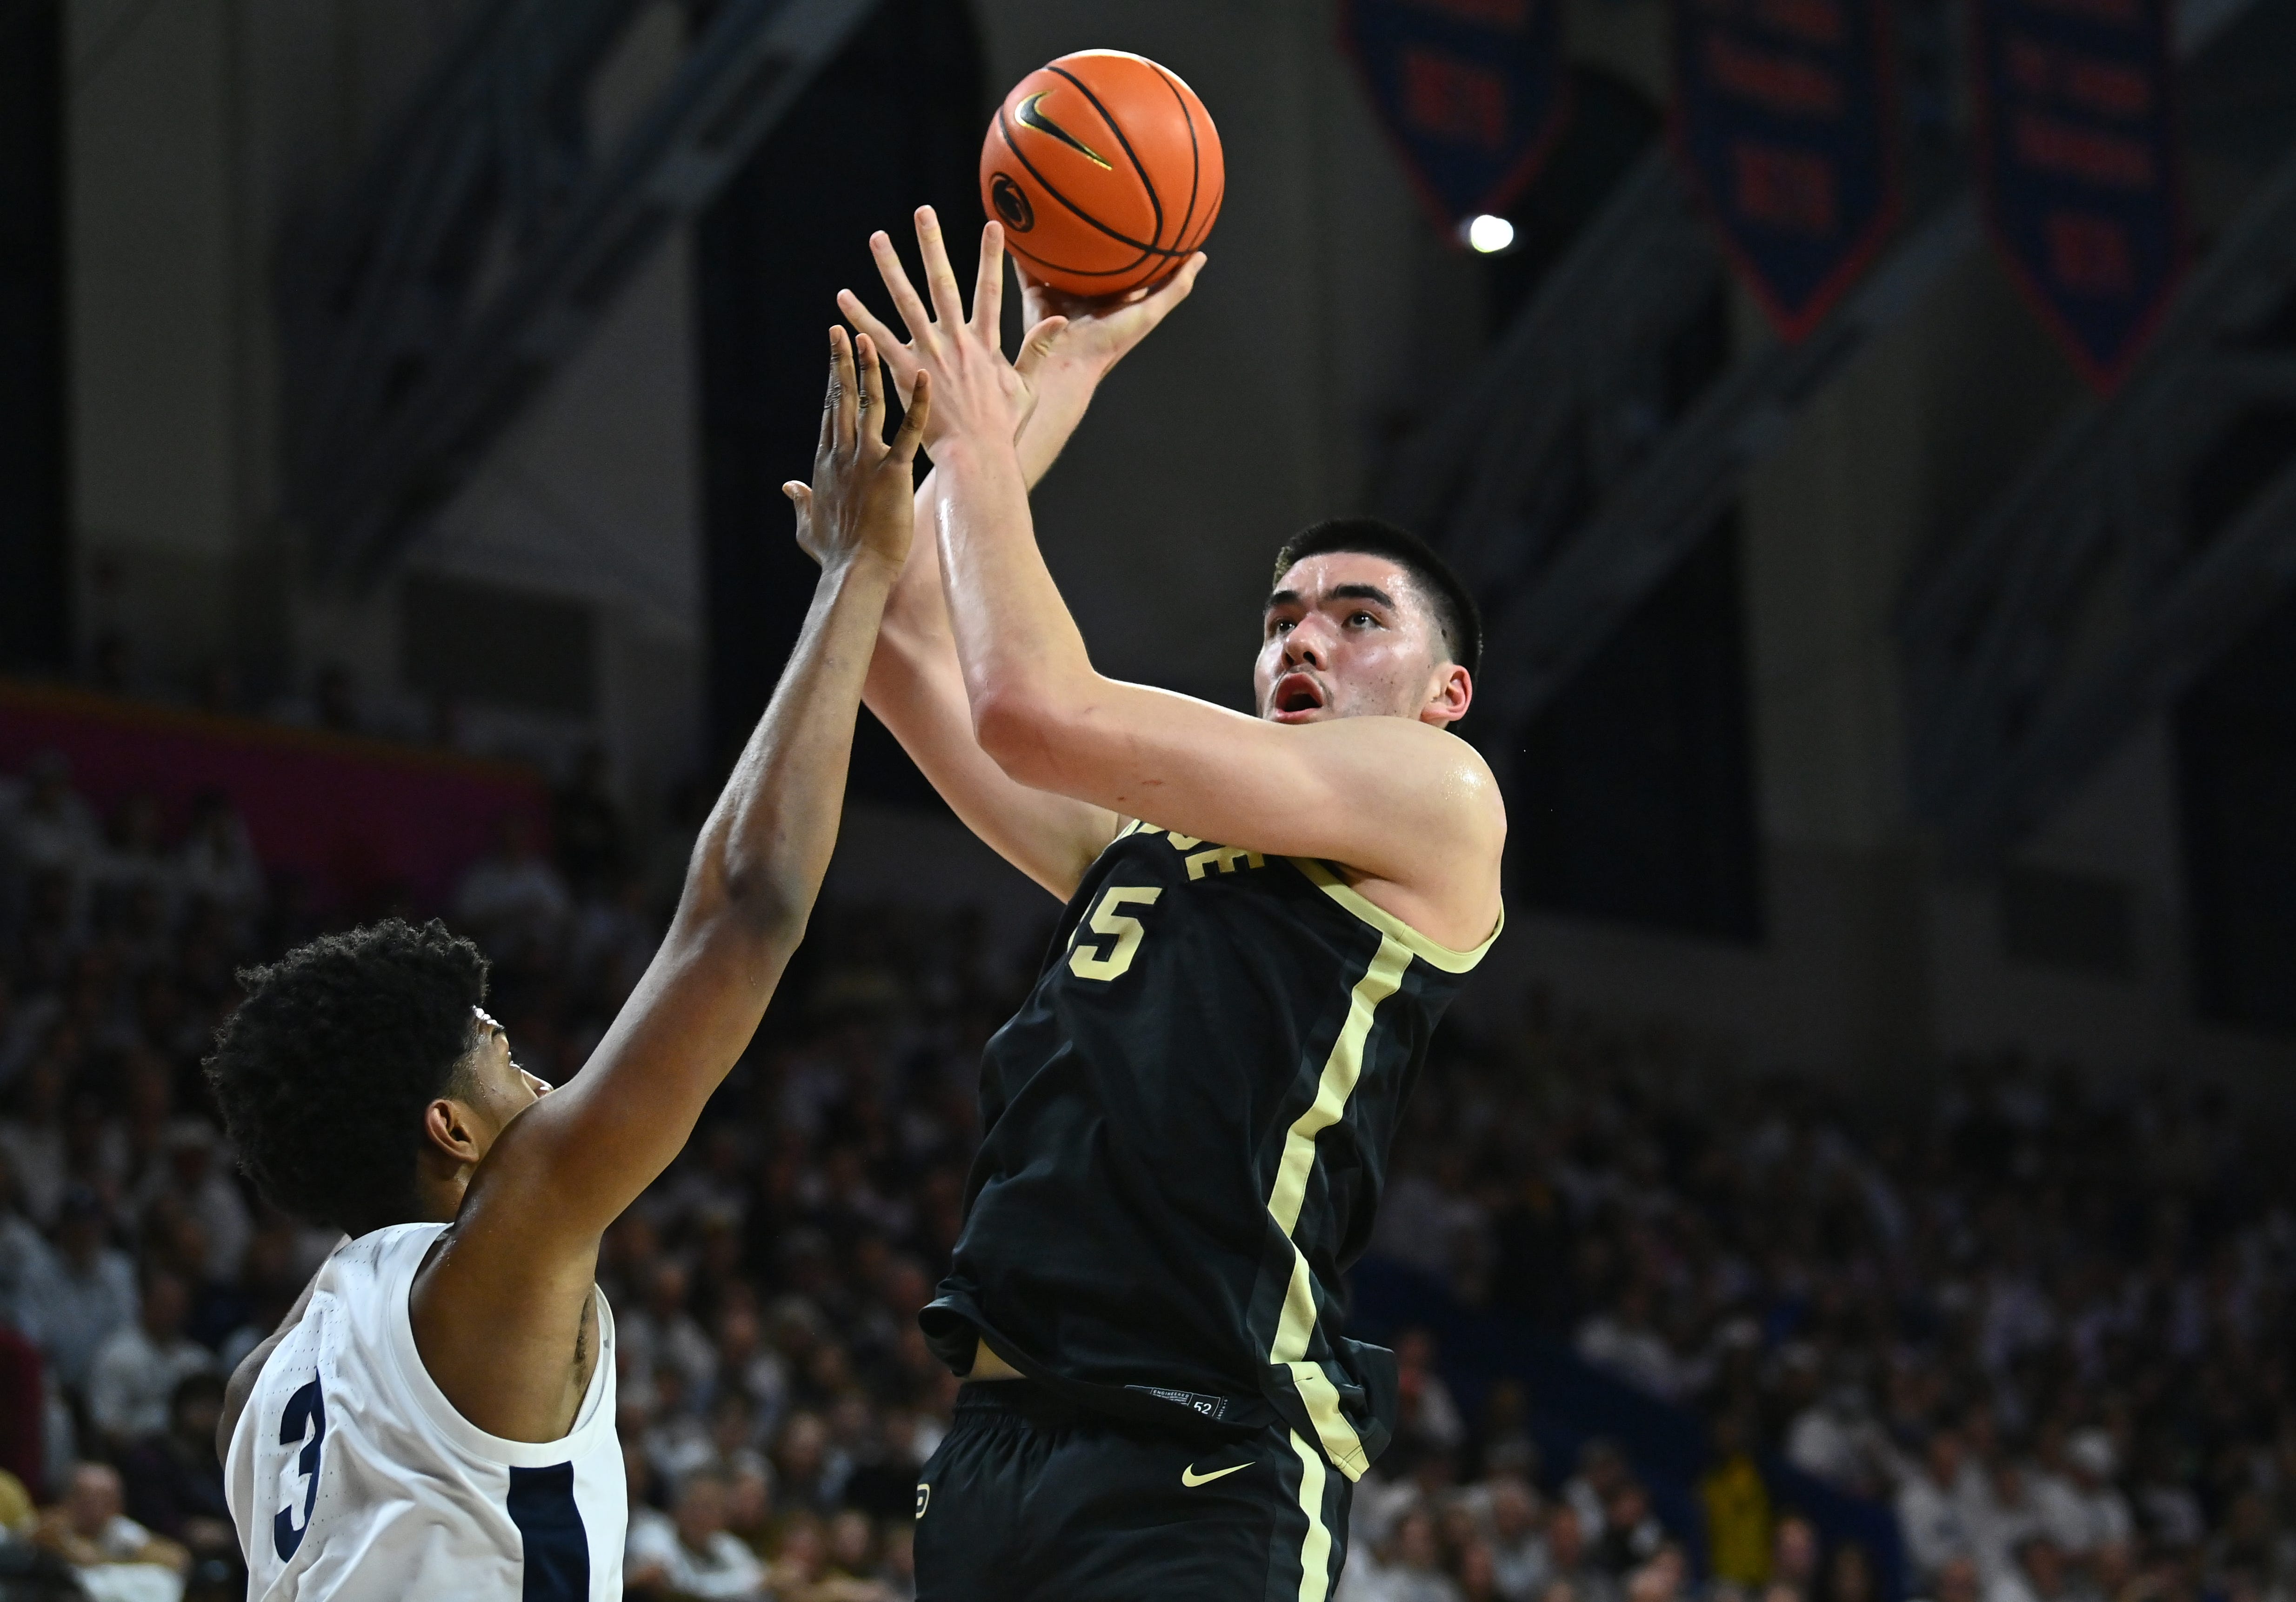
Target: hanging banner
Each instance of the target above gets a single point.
(2077, 151)
(1782, 122)
(1472, 92)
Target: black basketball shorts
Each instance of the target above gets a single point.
(1031, 1498)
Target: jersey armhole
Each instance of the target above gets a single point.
(1425, 947)
(418, 1385)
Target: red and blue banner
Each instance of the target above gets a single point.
(1783, 124)
(362, 824)
(1472, 92)
(2076, 150)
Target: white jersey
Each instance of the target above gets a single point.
(351, 1476)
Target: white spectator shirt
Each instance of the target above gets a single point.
(1519, 1568)
(652, 1342)
(2172, 1512)
(66, 837)
(1586, 1502)
(352, 1478)
(36, 1151)
(76, 1311)
(133, 1376)
(27, 1265)
(723, 1569)
(2079, 1522)
(1996, 1529)
(1934, 1530)
(122, 1579)
(220, 865)
(1636, 1355)
(1367, 1580)
(1822, 1444)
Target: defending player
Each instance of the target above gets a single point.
(436, 1417)
(1187, 1125)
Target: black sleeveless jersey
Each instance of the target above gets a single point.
(1184, 1132)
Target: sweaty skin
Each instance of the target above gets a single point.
(981, 675)
(527, 1177)
(1349, 759)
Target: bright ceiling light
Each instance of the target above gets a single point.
(1489, 234)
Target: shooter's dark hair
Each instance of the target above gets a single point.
(324, 1071)
(1455, 613)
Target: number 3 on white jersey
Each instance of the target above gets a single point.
(305, 1413)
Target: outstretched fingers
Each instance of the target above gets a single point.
(834, 396)
(912, 432)
(914, 315)
(870, 425)
(941, 278)
(848, 389)
(858, 313)
(988, 286)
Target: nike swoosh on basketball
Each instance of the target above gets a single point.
(1031, 117)
(1192, 1479)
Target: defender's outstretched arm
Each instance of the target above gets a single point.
(510, 1285)
(1395, 800)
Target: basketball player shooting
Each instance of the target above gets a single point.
(436, 1417)
(1187, 1125)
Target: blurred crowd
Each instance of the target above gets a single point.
(2052, 1330)
(2052, 1326)
(776, 1396)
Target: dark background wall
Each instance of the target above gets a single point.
(1632, 796)
(34, 616)
(907, 102)
(2236, 764)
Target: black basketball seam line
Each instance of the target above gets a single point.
(1212, 211)
(1138, 166)
(1005, 130)
(1076, 271)
(1218, 201)
(1195, 155)
(1134, 266)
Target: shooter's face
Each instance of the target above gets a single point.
(1348, 634)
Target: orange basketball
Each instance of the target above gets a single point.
(1106, 170)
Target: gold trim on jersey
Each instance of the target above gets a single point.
(1316, 1547)
(1393, 927)
(1297, 1324)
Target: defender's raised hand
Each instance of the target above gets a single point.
(975, 389)
(858, 504)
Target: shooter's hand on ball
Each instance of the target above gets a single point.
(974, 387)
(857, 506)
(1101, 333)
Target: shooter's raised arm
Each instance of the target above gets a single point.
(916, 685)
(1409, 809)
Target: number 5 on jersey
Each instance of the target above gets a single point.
(1108, 920)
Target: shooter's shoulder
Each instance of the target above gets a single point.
(1432, 766)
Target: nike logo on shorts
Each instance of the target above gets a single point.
(1192, 1479)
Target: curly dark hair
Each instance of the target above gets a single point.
(324, 1071)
